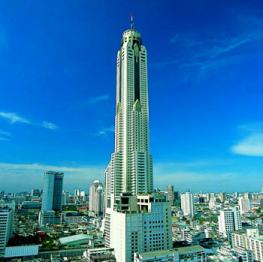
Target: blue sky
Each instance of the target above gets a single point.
(57, 86)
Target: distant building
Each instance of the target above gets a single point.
(25, 253)
(52, 191)
(193, 237)
(49, 217)
(187, 204)
(31, 205)
(35, 193)
(8, 203)
(212, 201)
(73, 217)
(171, 196)
(51, 198)
(75, 240)
(189, 254)
(222, 197)
(6, 227)
(201, 199)
(65, 197)
(244, 205)
(248, 195)
(99, 254)
(228, 221)
(96, 198)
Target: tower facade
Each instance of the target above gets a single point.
(52, 191)
(130, 167)
(136, 219)
(228, 221)
(6, 226)
(96, 197)
(52, 198)
(187, 204)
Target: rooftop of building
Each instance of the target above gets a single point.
(75, 238)
(180, 250)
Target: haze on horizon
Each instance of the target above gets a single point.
(57, 85)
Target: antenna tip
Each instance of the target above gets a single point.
(132, 22)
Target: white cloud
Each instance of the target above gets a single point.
(252, 145)
(97, 99)
(43, 167)
(105, 131)
(49, 125)
(205, 176)
(214, 51)
(14, 118)
(17, 177)
(4, 135)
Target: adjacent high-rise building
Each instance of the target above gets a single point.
(136, 220)
(96, 197)
(51, 198)
(244, 205)
(187, 204)
(171, 196)
(212, 201)
(6, 227)
(52, 191)
(130, 167)
(249, 240)
(222, 197)
(228, 221)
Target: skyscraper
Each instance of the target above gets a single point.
(136, 220)
(244, 205)
(228, 221)
(51, 198)
(96, 197)
(52, 191)
(171, 196)
(130, 167)
(6, 226)
(187, 204)
(212, 201)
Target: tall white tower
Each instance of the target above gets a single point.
(96, 197)
(187, 204)
(130, 168)
(228, 221)
(136, 220)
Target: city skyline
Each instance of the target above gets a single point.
(57, 102)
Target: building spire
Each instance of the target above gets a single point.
(132, 22)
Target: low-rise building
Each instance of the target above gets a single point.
(189, 254)
(76, 240)
(99, 254)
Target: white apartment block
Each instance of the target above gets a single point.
(138, 224)
(187, 204)
(96, 197)
(250, 240)
(228, 221)
(6, 226)
(244, 205)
